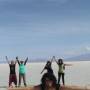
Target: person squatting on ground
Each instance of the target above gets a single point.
(48, 82)
(12, 75)
(22, 71)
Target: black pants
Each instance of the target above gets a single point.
(59, 78)
(22, 76)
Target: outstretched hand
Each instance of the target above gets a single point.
(53, 57)
(17, 58)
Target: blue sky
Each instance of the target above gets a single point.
(43, 28)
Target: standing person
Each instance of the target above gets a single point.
(61, 66)
(48, 67)
(61, 72)
(22, 71)
(12, 75)
(48, 82)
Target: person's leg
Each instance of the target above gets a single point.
(63, 79)
(15, 83)
(15, 80)
(24, 80)
(10, 80)
(59, 77)
(20, 76)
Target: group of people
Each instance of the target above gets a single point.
(22, 71)
(61, 69)
(48, 79)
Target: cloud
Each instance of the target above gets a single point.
(87, 48)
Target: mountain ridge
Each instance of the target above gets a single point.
(83, 57)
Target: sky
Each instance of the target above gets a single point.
(44, 28)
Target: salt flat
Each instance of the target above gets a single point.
(78, 74)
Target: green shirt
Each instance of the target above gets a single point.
(22, 69)
(61, 68)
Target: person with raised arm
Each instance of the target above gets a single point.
(22, 71)
(61, 72)
(48, 67)
(12, 74)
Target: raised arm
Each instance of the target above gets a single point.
(26, 61)
(56, 61)
(42, 70)
(17, 60)
(52, 59)
(7, 60)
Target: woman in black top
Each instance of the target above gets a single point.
(48, 67)
(12, 75)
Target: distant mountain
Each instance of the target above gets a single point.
(38, 60)
(83, 57)
(31, 60)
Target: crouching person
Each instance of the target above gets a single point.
(48, 82)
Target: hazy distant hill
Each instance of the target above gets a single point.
(83, 57)
(38, 60)
(31, 60)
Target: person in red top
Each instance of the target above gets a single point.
(12, 74)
